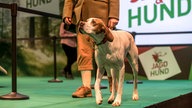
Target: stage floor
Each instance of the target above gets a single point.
(43, 94)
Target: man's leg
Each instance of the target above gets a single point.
(84, 61)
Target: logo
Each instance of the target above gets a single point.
(160, 66)
(149, 13)
(156, 56)
(159, 63)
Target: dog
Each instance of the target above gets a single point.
(3, 70)
(111, 48)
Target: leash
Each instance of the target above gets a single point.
(102, 42)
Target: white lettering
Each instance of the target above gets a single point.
(35, 3)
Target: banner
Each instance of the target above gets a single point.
(157, 16)
(48, 6)
(159, 63)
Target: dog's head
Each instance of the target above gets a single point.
(96, 29)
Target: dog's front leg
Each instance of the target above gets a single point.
(112, 96)
(117, 101)
(98, 93)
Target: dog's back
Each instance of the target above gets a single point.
(122, 37)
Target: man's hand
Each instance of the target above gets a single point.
(112, 23)
(67, 20)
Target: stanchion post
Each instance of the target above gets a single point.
(55, 61)
(14, 95)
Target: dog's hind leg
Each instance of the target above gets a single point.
(98, 93)
(133, 61)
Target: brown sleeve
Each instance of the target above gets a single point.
(67, 8)
(114, 9)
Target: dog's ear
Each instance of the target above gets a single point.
(108, 34)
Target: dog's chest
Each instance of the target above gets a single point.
(113, 52)
(108, 54)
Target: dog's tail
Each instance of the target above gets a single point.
(3, 70)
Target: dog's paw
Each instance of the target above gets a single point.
(99, 102)
(116, 103)
(135, 96)
(99, 99)
(111, 99)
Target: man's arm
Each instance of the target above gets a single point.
(114, 9)
(113, 13)
(67, 8)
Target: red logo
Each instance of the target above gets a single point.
(157, 1)
(133, 1)
(157, 55)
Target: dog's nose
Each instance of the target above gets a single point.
(81, 24)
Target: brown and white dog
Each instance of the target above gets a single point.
(111, 49)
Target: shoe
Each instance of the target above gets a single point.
(82, 92)
(69, 76)
(64, 73)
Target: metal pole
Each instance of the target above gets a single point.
(55, 62)
(14, 95)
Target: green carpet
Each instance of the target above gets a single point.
(43, 94)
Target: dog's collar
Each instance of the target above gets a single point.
(102, 42)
